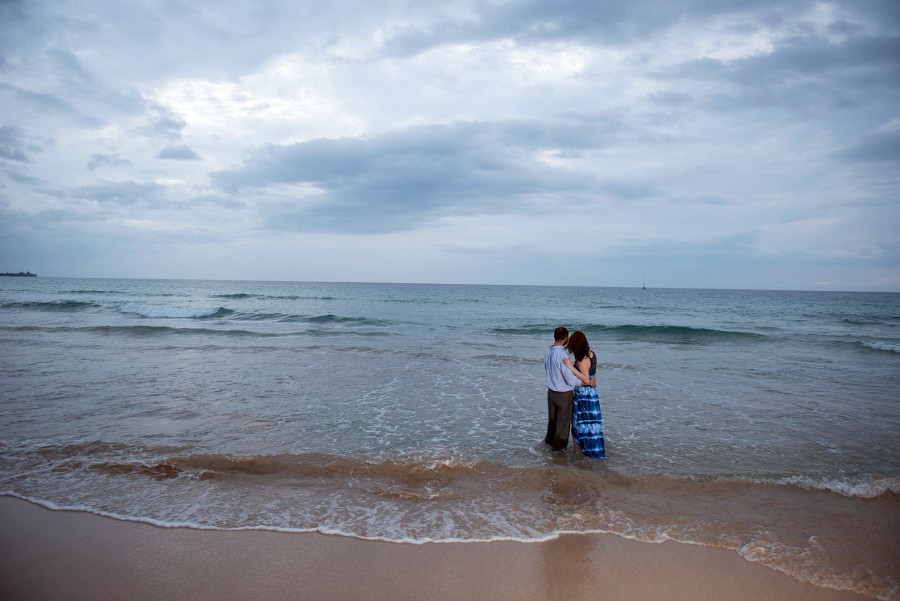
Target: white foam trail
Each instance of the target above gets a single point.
(657, 537)
(866, 490)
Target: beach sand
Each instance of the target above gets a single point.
(56, 555)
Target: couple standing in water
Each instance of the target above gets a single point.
(572, 400)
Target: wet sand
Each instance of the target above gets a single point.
(52, 555)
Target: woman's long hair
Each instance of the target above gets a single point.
(578, 345)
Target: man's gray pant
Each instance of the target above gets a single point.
(559, 422)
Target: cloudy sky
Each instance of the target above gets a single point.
(704, 143)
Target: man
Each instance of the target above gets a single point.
(560, 384)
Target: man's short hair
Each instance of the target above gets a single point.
(560, 333)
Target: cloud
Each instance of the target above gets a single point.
(163, 123)
(19, 26)
(395, 180)
(601, 22)
(84, 88)
(50, 80)
(800, 72)
(220, 201)
(180, 152)
(879, 146)
(106, 160)
(21, 177)
(127, 193)
(14, 145)
(17, 155)
(704, 128)
(39, 103)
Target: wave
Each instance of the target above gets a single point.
(160, 331)
(415, 469)
(881, 346)
(330, 319)
(118, 458)
(327, 319)
(660, 333)
(863, 488)
(144, 330)
(168, 312)
(671, 332)
(93, 292)
(408, 472)
(291, 297)
(446, 497)
(64, 306)
(526, 330)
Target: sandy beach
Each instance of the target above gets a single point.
(74, 555)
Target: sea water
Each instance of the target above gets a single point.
(761, 421)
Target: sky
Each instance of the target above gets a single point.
(695, 143)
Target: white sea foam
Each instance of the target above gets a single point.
(334, 530)
(866, 489)
(881, 346)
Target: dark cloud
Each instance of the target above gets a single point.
(69, 68)
(395, 180)
(106, 160)
(66, 89)
(39, 103)
(164, 123)
(482, 146)
(807, 74)
(19, 27)
(180, 152)
(84, 89)
(126, 193)
(799, 57)
(17, 150)
(669, 98)
(221, 201)
(15, 145)
(846, 28)
(877, 147)
(590, 21)
(810, 57)
(21, 177)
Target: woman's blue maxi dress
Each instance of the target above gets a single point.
(587, 423)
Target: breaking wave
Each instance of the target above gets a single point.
(409, 469)
(289, 297)
(881, 346)
(419, 498)
(863, 488)
(168, 312)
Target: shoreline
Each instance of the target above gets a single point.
(51, 554)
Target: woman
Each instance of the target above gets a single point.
(587, 423)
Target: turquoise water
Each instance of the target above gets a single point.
(415, 412)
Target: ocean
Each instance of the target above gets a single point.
(761, 421)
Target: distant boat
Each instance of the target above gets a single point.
(644, 285)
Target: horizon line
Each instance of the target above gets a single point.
(413, 283)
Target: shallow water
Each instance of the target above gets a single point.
(765, 422)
